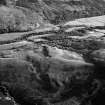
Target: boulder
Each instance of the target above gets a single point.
(61, 69)
(55, 52)
(98, 56)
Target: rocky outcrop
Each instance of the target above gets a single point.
(98, 56)
(48, 76)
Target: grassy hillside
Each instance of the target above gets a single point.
(26, 15)
(58, 11)
(15, 19)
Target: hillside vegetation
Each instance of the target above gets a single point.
(16, 19)
(59, 11)
(25, 15)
